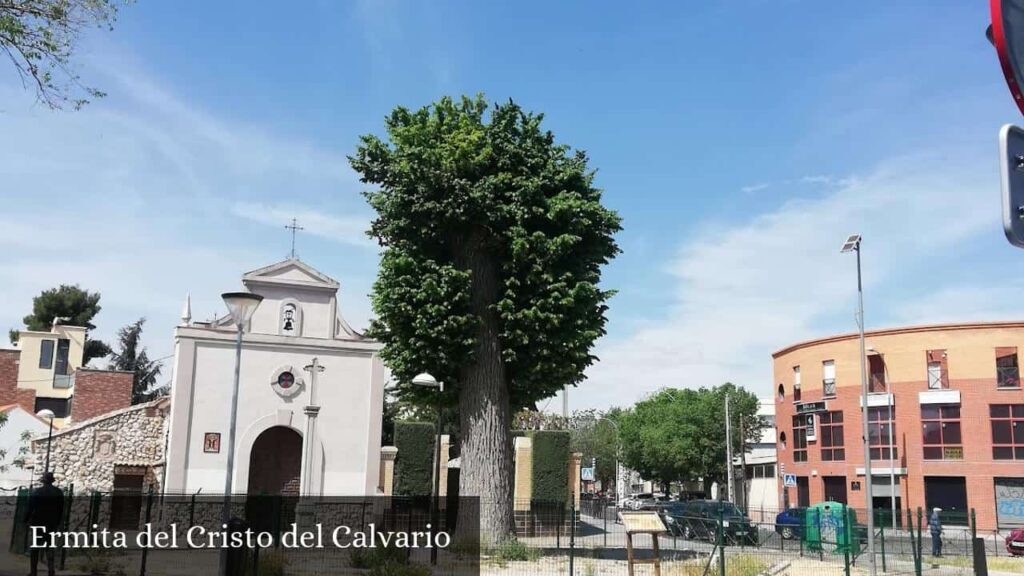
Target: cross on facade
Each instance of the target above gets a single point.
(294, 227)
(312, 410)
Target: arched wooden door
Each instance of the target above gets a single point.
(275, 463)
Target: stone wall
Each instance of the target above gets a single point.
(88, 453)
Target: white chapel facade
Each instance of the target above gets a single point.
(297, 321)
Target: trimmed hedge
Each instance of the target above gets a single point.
(414, 463)
(550, 465)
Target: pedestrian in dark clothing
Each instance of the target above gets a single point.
(45, 509)
(935, 527)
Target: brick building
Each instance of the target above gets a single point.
(945, 413)
(44, 371)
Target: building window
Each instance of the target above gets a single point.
(782, 440)
(828, 378)
(1007, 431)
(799, 439)
(938, 374)
(1007, 371)
(61, 407)
(46, 354)
(63, 365)
(782, 393)
(767, 420)
(796, 383)
(940, 424)
(832, 437)
(881, 431)
(876, 373)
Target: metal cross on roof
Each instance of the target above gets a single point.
(294, 227)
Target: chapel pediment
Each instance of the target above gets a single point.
(290, 272)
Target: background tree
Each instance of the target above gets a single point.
(679, 434)
(591, 434)
(493, 240)
(131, 356)
(75, 306)
(594, 435)
(40, 36)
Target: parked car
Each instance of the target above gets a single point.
(700, 519)
(637, 501)
(790, 523)
(1015, 542)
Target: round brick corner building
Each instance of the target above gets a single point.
(945, 418)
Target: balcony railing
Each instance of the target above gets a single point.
(63, 381)
(877, 383)
(1008, 376)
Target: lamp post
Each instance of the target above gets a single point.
(47, 414)
(852, 244)
(241, 305)
(428, 381)
(618, 497)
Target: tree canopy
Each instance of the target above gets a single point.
(493, 240)
(679, 434)
(40, 37)
(131, 356)
(74, 306)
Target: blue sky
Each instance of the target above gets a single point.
(741, 141)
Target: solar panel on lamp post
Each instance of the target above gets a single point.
(852, 244)
(427, 381)
(242, 305)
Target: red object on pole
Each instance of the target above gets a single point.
(1008, 38)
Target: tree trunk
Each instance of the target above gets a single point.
(486, 422)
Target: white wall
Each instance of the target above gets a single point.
(18, 421)
(349, 391)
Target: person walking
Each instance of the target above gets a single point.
(935, 527)
(46, 509)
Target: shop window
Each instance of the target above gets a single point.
(882, 433)
(799, 439)
(1007, 431)
(832, 437)
(940, 425)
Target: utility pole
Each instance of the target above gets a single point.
(728, 453)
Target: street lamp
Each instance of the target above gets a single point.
(427, 381)
(852, 244)
(47, 414)
(241, 305)
(618, 446)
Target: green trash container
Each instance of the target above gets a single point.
(827, 528)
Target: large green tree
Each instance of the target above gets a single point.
(131, 356)
(74, 307)
(493, 239)
(40, 36)
(679, 434)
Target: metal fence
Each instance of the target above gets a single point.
(550, 538)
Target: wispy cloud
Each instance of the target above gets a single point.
(344, 229)
(144, 196)
(778, 278)
(754, 187)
